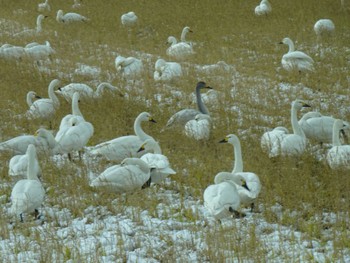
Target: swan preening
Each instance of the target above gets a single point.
(131, 175)
(35, 31)
(263, 8)
(125, 146)
(338, 157)
(69, 17)
(129, 67)
(179, 50)
(158, 163)
(318, 127)
(18, 165)
(280, 142)
(45, 108)
(85, 90)
(166, 71)
(230, 190)
(28, 194)
(199, 128)
(296, 60)
(324, 27)
(128, 19)
(180, 118)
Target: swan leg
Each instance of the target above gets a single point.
(69, 157)
(21, 217)
(147, 184)
(36, 214)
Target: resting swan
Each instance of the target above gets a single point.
(18, 165)
(249, 185)
(84, 90)
(131, 175)
(263, 8)
(69, 17)
(130, 67)
(158, 163)
(283, 143)
(125, 146)
(180, 118)
(179, 50)
(167, 71)
(296, 60)
(338, 157)
(43, 141)
(199, 128)
(324, 27)
(318, 127)
(45, 108)
(128, 19)
(28, 194)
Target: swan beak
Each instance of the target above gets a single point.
(280, 42)
(306, 105)
(37, 97)
(224, 140)
(244, 184)
(142, 148)
(152, 120)
(207, 87)
(46, 16)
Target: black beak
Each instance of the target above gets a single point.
(223, 141)
(151, 120)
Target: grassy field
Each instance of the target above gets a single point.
(253, 97)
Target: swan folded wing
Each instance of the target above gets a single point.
(182, 117)
(291, 144)
(18, 145)
(339, 157)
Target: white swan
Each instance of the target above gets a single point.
(271, 139)
(42, 7)
(76, 4)
(18, 165)
(184, 32)
(263, 8)
(125, 146)
(69, 17)
(28, 194)
(131, 175)
(249, 185)
(222, 199)
(338, 157)
(180, 118)
(85, 91)
(130, 67)
(199, 128)
(158, 163)
(45, 108)
(43, 140)
(179, 50)
(75, 137)
(296, 60)
(30, 96)
(31, 32)
(39, 52)
(11, 52)
(318, 127)
(128, 19)
(166, 71)
(324, 27)
(288, 144)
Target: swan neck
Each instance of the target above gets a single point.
(52, 95)
(238, 164)
(291, 46)
(31, 174)
(29, 100)
(183, 35)
(38, 25)
(295, 124)
(103, 86)
(201, 106)
(75, 107)
(139, 131)
(336, 139)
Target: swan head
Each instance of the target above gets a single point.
(33, 95)
(202, 116)
(187, 29)
(148, 144)
(231, 138)
(118, 62)
(286, 41)
(202, 85)
(41, 17)
(54, 83)
(160, 63)
(41, 133)
(299, 104)
(171, 40)
(145, 116)
(59, 15)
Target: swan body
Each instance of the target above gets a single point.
(179, 50)
(296, 60)
(42, 7)
(28, 194)
(318, 127)
(338, 157)
(11, 52)
(158, 163)
(284, 144)
(43, 141)
(45, 108)
(18, 165)
(324, 27)
(180, 118)
(222, 199)
(247, 183)
(129, 67)
(167, 71)
(271, 139)
(39, 52)
(31, 32)
(125, 146)
(199, 128)
(84, 90)
(129, 176)
(69, 18)
(263, 8)
(128, 19)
